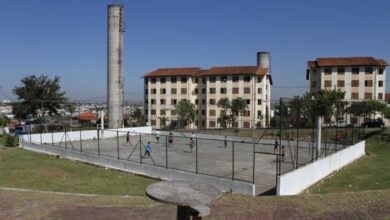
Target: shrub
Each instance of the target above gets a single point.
(10, 141)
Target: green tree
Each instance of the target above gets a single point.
(186, 111)
(226, 117)
(137, 117)
(238, 106)
(38, 96)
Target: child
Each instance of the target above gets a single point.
(170, 140)
(225, 141)
(283, 153)
(276, 146)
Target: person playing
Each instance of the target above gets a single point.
(158, 136)
(276, 146)
(283, 153)
(128, 138)
(192, 141)
(225, 141)
(148, 150)
(170, 139)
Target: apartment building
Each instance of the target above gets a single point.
(204, 88)
(361, 78)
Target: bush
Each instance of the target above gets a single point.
(10, 141)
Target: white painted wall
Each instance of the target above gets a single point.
(58, 137)
(296, 181)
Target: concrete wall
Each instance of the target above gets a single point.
(58, 137)
(144, 169)
(296, 181)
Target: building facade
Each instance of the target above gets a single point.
(164, 88)
(361, 78)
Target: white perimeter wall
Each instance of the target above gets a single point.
(296, 181)
(57, 137)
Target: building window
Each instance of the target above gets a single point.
(380, 95)
(203, 112)
(248, 101)
(246, 124)
(203, 101)
(259, 101)
(196, 91)
(183, 100)
(368, 83)
(204, 80)
(173, 79)
(247, 78)
(153, 101)
(369, 70)
(146, 91)
(259, 79)
(183, 90)
(163, 91)
(355, 83)
(247, 90)
(196, 80)
(235, 90)
(340, 83)
(368, 95)
(212, 113)
(162, 101)
(203, 91)
(212, 79)
(355, 70)
(259, 114)
(146, 81)
(260, 90)
(235, 78)
(212, 124)
(183, 79)
(196, 101)
(162, 80)
(313, 83)
(340, 71)
(153, 122)
(328, 71)
(354, 95)
(223, 90)
(223, 78)
(153, 80)
(212, 90)
(153, 111)
(212, 101)
(328, 83)
(246, 113)
(162, 112)
(146, 101)
(173, 91)
(153, 91)
(380, 71)
(380, 83)
(173, 112)
(173, 101)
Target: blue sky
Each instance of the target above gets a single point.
(68, 39)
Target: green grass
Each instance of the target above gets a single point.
(24, 169)
(372, 172)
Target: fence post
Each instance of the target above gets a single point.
(253, 165)
(52, 138)
(98, 137)
(196, 156)
(66, 143)
(81, 141)
(233, 160)
(140, 149)
(117, 142)
(40, 136)
(166, 152)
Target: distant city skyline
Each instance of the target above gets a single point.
(69, 39)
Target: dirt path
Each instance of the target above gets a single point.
(38, 205)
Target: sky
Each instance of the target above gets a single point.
(69, 39)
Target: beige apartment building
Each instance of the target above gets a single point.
(361, 78)
(204, 88)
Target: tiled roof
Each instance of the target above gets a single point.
(190, 71)
(214, 71)
(346, 61)
(236, 70)
(87, 116)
